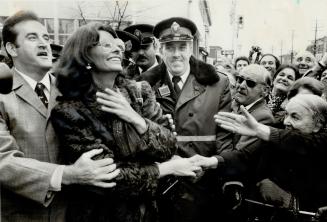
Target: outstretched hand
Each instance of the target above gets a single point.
(245, 125)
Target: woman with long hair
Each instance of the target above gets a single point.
(100, 109)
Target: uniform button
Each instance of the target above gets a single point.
(190, 114)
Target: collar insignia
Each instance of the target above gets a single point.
(128, 45)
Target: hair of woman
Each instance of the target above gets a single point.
(73, 70)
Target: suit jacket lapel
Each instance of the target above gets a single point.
(191, 89)
(54, 92)
(26, 93)
(256, 105)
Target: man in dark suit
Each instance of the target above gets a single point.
(252, 86)
(31, 174)
(192, 92)
(145, 55)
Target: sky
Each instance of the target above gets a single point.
(268, 24)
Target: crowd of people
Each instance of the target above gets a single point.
(105, 128)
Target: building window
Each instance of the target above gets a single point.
(49, 24)
(66, 27)
(83, 22)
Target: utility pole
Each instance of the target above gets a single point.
(281, 51)
(292, 50)
(315, 42)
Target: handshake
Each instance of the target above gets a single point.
(191, 167)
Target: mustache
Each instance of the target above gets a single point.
(303, 66)
(141, 57)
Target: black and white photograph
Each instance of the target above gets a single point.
(163, 110)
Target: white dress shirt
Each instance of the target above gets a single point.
(183, 77)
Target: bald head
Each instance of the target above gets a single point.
(259, 73)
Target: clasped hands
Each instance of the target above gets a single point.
(187, 167)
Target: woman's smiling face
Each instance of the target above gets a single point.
(107, 54)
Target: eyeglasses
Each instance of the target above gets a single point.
(249, 83)
(105, 45)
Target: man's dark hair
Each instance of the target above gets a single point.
(8, 32)
(277, 62)
(244, 58)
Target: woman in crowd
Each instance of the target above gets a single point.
(283, 79)
(292, 172)
(306, 85)
(241, 62)
(100, 109)
(270, 62)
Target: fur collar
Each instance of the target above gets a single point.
(204, 73)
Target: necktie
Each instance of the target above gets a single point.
(39, 89)
(176, 80)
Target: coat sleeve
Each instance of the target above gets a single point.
(247, 151)
(297, 142)
(158, 142)
(223, 137)
(27, 177)
(76, 138)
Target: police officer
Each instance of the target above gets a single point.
(193, 92)
(129, 44)
(145, 56)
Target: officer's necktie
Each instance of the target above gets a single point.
(39, 89)
(176, 80)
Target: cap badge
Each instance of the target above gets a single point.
(137, 33)
(128, 45)
(175, 27)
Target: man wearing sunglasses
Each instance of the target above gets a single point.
(145, 54)
(252, 87)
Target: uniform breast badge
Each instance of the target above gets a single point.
(164, 91)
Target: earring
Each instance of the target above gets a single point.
(88, 67)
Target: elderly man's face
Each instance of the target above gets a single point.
(304, 61)
(249, 87)
(299, 117)
(176, 56)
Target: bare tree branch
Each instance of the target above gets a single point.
(122, 15)
(81, 12)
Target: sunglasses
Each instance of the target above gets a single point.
(249, 83)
